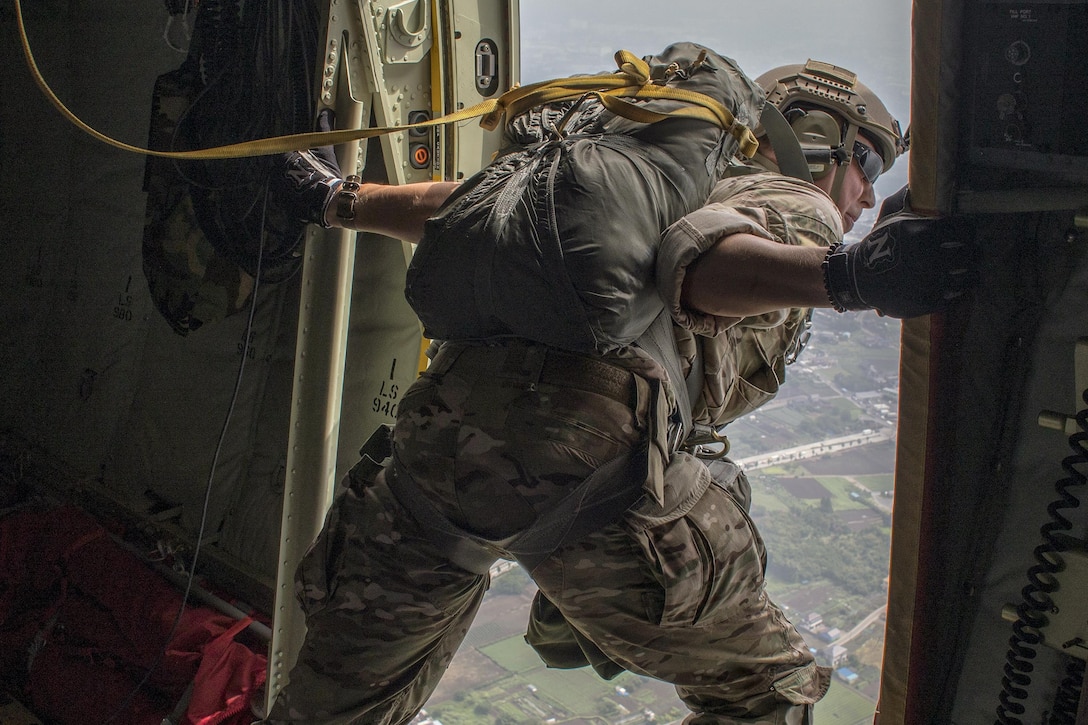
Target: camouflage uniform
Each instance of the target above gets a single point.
(496, 435)
(744, 360)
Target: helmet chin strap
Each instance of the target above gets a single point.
(844, 167)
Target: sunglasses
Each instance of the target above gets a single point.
(870, 162)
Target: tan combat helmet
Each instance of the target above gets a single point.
(800, 91)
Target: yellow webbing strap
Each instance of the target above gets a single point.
(632, 81)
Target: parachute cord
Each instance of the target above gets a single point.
(186, 28)
(209, 485)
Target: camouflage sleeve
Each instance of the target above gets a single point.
(766, 205)
(682, 244)
(743, 360)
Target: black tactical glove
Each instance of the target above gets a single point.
(908, 265)
(309, 179)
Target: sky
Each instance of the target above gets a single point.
(869, 37)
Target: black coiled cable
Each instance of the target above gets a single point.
(1031, 613)
(1067, 700)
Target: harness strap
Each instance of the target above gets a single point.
(659, 341)
(459, 546)
(633, 80)
(377, 456)
(601, 499)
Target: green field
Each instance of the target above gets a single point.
(877, 482)
(844, 706)
(840, 489)
(764, 502)
(533, 693)
(513, 655)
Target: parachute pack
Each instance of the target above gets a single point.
(556, 239)
(208, 231)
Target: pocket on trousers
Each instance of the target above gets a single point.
(804, 686)
(681, 557)
(708, 561)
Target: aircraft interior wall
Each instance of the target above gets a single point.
(992, 469)
(978, 477)
(98, 388)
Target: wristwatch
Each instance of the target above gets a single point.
(346, 198)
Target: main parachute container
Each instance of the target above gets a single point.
(555, 240)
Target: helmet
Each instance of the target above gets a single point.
(824, 86)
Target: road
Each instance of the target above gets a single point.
(862, 625)
(820, 448)
(881, 502)
(812, 450)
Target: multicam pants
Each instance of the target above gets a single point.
(673, 590)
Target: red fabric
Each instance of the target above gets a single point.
(32, 545)
(82, 620)
(226, 682)
(71, 685)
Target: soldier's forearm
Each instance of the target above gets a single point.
(395, 211)
(745, 275)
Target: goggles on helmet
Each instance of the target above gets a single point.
(869, 161)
